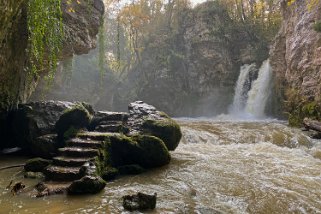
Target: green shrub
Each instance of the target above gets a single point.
(317, 26)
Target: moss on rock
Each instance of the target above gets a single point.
(166, 129)
(146, 151)
(36, 165)
(77, 117)
(86, 185)
(109, 173)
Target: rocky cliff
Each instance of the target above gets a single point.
(296, 60)
(80, 28)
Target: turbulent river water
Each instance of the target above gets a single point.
(219, 167)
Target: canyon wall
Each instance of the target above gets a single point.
(295, 58)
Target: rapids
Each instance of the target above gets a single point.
(219, 167)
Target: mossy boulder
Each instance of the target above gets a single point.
(146, 151)
(86, 185)
(166, 129)
(77, 117)
(36, 165)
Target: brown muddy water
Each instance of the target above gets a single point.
(219, 167)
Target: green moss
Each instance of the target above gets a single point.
(167, 130)
(317, 26)
(298, 107)
(109, 173)
(45, 35)
(77, 117)
(70, 133)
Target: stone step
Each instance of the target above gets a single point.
(51, 188)
(101, 136)
(78, 152)
(84, 143)
(70, 161)
(112, 128)
(111, 123)
(59, 173)
(111, 116)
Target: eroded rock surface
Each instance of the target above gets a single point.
(295, 56)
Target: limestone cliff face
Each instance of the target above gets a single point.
(80, 26)
(213, 59)
(296, 54)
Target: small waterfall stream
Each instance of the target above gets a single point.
(242, 87)
(251, 97)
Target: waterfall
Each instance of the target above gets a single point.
(260, 91)
(250, 99)
(242, 87)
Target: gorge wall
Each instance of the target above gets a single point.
(80, 29)
(295, 58)
(186, 69)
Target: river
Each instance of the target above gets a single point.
(219, 167)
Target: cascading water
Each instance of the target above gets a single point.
(260, 91)
(242, 87)
(250, 99)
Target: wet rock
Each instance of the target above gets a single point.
(17, 188)
(140, 202)
(60, 173)
(36, 165)
(147, 151)
(89, 168)
(45, 146)
(36, 119)
(166, 129)
(34, 175)
(112, 128)
(108, 118)
(87, 185)
(46, 189)
(144, 118)
(77, 117)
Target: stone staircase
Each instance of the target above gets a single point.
(70, 163)
(67, 166)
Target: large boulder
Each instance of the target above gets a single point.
(86, 185)
(146, 151)
(144, 118)
(35, 119)
(76, 118)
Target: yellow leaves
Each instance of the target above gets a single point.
(133, 15)
(290, 2)
(312, 4)
(71, 10)
(70, 4)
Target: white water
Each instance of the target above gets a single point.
(260, 91)
(241, 89)
(252, 104)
